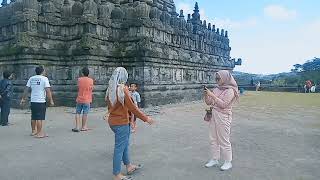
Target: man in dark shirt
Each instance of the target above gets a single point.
(5, 97)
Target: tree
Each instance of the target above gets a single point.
(312, 65)
(297, 68)
(309, 65)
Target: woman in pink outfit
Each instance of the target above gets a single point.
(221, 99)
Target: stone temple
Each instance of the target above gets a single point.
(169, 54)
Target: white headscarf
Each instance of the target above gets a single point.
(116, 85)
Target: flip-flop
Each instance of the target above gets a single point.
(126, 178)
(33, 134)
(75, 130)
(138, 167)
(88, 129)
(41, 136)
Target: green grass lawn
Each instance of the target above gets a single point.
(280, 99)
(298, 108)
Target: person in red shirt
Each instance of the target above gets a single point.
(308, 86)
(84, 99)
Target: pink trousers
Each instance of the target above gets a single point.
(219, 135)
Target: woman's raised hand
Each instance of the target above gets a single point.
(208, 92)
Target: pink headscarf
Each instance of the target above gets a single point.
(228, 82)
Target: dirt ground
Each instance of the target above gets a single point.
(275, 136)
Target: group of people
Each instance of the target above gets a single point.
(309, 87)
(123, 110)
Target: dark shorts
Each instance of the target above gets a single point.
(38, 111)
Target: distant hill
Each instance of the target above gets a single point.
(245, 78)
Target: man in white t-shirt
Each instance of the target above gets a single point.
(40, 89)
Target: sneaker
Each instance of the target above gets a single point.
(226, 166)
(212, 163)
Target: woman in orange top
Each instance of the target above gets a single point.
(119, 104)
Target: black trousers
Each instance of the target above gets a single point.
(5, 111)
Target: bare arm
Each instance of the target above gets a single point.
(49, 95)
(134, 109)
(25, 94)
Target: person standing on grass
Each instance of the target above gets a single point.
(258, 86)
(84, 99)
(119, 103)
(221, 99)
(5, 97)
(308, 86)
(40, 89)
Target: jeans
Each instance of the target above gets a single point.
(5, 111)
(121, 147)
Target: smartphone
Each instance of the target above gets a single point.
(204, 87)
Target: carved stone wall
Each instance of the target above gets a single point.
(170, 57)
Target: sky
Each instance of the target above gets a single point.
(270, 36)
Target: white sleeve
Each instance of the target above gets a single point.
(138, 98)
(28, 83)
(46, 83)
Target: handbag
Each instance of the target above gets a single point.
(208, 115)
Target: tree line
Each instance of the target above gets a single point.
(310, 70)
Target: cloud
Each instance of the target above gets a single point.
(232, 25)
(229, 24)
(279, 13)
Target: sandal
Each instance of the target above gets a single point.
(75, 130)
(86, 129)
(135, 169)
(44, 136)
(126, 178)
(33, 134)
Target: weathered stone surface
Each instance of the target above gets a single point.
(90, 10)
(77, 9)
(169, 57)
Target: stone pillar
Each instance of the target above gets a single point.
(117, 14)
(142, 10)
(77, 9)
(30, 6)
(105, 9)
(182, 22)
(155, 13)
(90, 10)
(66, 10)
(49, 10)
(165, 16)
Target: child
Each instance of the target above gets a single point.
(84, 99)
(136, 99)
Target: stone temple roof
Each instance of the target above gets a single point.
(168, 1)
